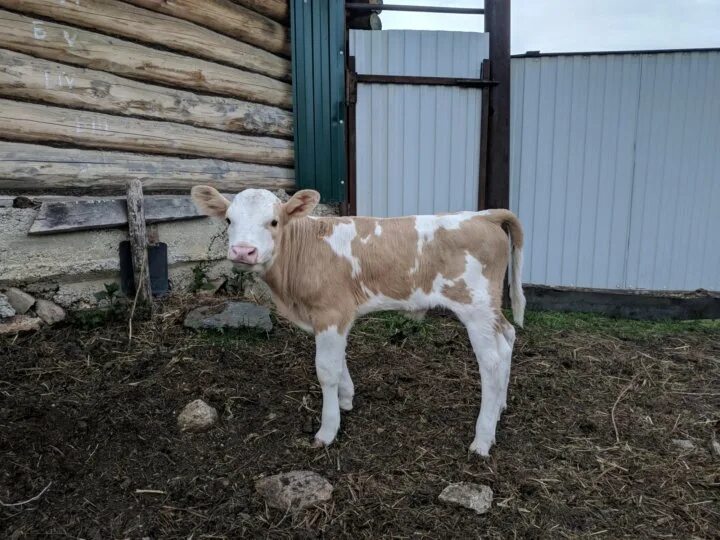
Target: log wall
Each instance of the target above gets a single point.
(95, 92)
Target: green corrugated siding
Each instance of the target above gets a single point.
(318, 62)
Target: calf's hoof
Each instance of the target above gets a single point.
(322, 440)
(346, 405)
(481, 448)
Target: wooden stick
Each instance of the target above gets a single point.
(138, 241)
(31, 499)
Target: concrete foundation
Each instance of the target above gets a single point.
(70, 268)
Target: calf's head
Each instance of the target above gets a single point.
(256, 219)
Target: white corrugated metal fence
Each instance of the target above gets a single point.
(418, 147)
(615, 169)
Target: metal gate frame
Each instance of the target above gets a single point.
(494, 172)
(325, 93)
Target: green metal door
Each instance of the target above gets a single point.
(318, 65)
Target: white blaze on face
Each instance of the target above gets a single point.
(251, 214)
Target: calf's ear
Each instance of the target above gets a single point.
(209, 201)
(301, 204)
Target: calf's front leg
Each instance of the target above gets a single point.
(329, 361)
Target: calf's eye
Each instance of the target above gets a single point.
(227, 220)
(274, 223)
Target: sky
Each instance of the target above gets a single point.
(582, 25)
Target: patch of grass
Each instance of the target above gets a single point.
(395, 327)
(543, 321)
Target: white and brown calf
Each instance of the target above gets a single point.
(325, 272)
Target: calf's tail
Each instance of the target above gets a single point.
(511, 224)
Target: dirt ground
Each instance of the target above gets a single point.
(585, 448)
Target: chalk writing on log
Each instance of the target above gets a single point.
(58, 80)
(38, 30)
(93, 125)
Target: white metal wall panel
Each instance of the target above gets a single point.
(418, 147)
(615, 169)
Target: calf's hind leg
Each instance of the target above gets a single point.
(346, 389)
(493, 356)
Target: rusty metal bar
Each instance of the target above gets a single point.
(428, 81)
(354, 6)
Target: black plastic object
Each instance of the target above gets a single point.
(157, 260)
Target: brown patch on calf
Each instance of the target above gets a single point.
(458, 292)
(386, 260)
(313, 285)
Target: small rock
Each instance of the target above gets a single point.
(212, 286)
(19, 300)
(197, 416)
(256, 290)
(19, 323)
(294, 490)
(473, 496)
(684, 444)
(6, 310)
(716, 447)
(49, 311)
(229, 315)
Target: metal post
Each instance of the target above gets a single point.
(497, 23)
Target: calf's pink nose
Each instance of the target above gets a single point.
(244, 253)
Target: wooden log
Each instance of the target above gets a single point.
(366, 21)
(278, 10)
(72, 45)
(29, 78)
(227, 18)
(39, 123)
(121, 19)
(32, 168)
(138, 241)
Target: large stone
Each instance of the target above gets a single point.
(19, 323)
(49, 311)
(229, 315)
(6, 310)
(197, 416)
(294, 490)
(468, 495)
(19, 300)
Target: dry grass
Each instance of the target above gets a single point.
(584, 449)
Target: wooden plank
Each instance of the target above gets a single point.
(135, 208)
(643, 305)
(227, 18)
(121, 19)
(72, 45)
(85, 214)
(277, 10)
(31, 168)
(33, 79)
(39, 123)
